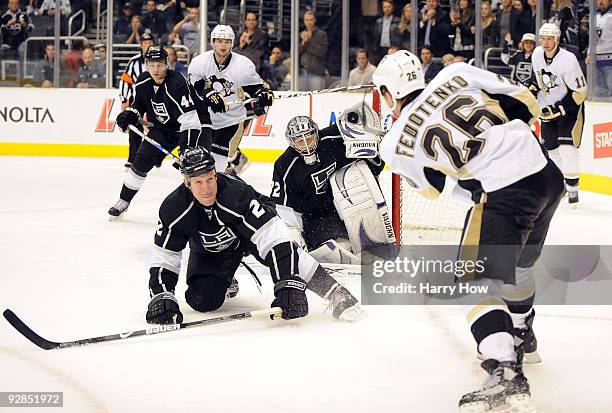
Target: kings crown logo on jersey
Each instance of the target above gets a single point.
(161, 113)
(321, 178)
(548, 80)
(220, 85)
(218, 241)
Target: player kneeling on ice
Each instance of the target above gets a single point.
(459, 125)
(165, 96)
(325, 188)
(222, 218)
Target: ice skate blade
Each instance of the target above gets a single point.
(514, 404)
(113, 218)
(352, 314)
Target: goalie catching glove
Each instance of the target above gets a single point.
(552, 111)
(129, 116)
(290, 296)
(164, 309)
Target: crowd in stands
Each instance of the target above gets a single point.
(444, 27)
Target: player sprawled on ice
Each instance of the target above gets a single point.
(327, 195)
(220, 73)
(561, 90)
(223, 219)
(164, 95)
(459, 125)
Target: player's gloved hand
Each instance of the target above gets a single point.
(129, 116)
(552, 111)
(534, 89)
(215, 101)
(290, 296)
(164, 309)
(265, 97)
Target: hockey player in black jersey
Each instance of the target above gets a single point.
(327, 195)
(222, 218)
(165, 96)
(520, 60)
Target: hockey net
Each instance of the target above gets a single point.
(417, 220)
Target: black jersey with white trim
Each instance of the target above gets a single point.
(168, 106)
(241, 219)
(305, 188)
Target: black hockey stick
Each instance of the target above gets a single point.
(45, 344)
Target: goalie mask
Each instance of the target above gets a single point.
(360, 128)
(303, 135)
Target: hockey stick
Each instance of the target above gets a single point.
(306, 93)
(45, 344)
(154, 143)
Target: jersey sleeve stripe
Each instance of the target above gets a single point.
(175, 222)
(285, 180)
(229, 211)
(172, 99)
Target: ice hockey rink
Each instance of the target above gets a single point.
(70, 273)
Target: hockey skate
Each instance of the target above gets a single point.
(232, 290)
(505, 390)
(526, 341)
(116, 211)
(238, 164)
(343, 305)
(572, 198)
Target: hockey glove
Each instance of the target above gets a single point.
(534, 89)
(551, 112)
(129, 116)
(265, 98)
(164, 309)
(290, 295)
(215, 101)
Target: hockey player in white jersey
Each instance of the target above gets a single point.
(230, 75)
(561, 91)
(459, 125)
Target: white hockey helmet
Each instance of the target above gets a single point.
(222, 31)
(303, 135)
(400, 74)
(549, 29)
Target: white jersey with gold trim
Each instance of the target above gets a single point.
(228, 81)
(555, 79)
(460, 125)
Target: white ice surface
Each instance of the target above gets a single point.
(70, 273)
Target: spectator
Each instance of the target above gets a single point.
(137, 30)
(506, 17)
(253, 42)
(14, 28)
(434, 28)
(392, 49)
(459, 59)
(173, 63)
(90, 74)
(566, 19)
(43, 72)
(462, 21)
(313, 51)
(520, 60)
(525, 23)
(430, 68)
(154, 20)
(74, 61)
(518, 5)
(362, 74)
(273, 71)
(490, 28)
(604, 48)
(404, 26)
(102, 57)
(188, 30)
(48, 7)
(386, 31)
(123, 24)
(447, 59)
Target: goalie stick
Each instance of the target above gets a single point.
(45, 344)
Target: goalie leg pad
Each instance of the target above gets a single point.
(362, 207)
(333, 253)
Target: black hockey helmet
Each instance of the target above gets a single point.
(196, 162)
(147, 36)
(156, 53)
